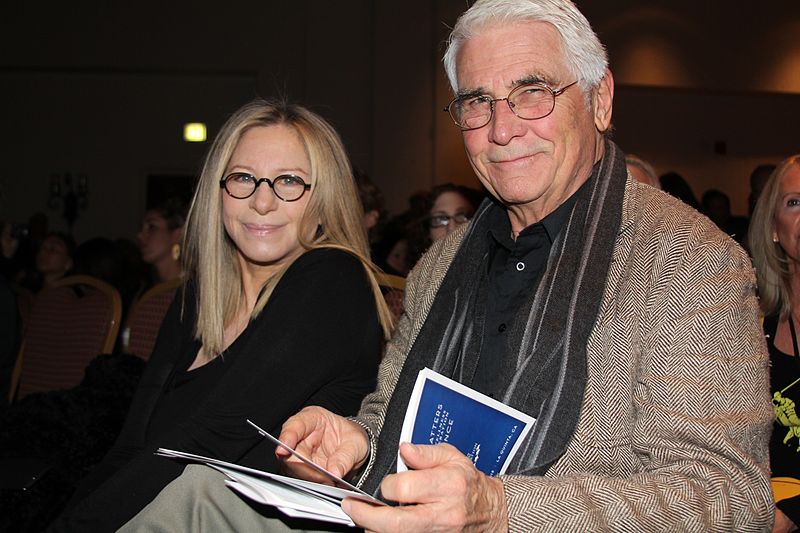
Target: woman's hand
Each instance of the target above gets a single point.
(331, 441)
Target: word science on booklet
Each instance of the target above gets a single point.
(444, 411)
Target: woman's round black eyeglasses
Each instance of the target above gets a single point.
(287, 187)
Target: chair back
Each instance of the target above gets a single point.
(139, 334)
(74, 320)
(393, 291)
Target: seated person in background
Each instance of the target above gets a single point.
(280, 310)
(372, 203)
(54, 260)
(448, 207)
(618, 317)
(390, 251)
(642, 171)
(758, 180)
(160, 238)
(776, 256)
(716, 205)
(675, 185)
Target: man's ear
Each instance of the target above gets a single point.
(603, 102)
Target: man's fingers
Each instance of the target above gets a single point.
(421, 457)
(385, 519)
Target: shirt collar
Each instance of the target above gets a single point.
(500, 225)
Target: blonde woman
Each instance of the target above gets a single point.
(280, 310)
(775, 246)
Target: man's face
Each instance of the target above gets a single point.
(531, 166)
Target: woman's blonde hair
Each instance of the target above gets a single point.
(333, 216)
(769, 258)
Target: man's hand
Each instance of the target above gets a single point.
(447, 492)
(333, 442)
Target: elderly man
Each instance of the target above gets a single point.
(621, 319)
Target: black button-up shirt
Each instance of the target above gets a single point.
(515, 268)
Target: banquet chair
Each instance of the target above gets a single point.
(393, 288)
(140, 331)
(71, 322)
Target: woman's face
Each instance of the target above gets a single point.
(448, 204)
(263, 227)
(155, 239)
(53, 257)
(787, 214)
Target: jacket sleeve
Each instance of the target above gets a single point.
(676, 415)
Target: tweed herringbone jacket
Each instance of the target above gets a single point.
(675, 420)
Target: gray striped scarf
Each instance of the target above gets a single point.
(549, 377)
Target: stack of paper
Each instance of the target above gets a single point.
(294, 497)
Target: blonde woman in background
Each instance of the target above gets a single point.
(280, 310)
(774, 240)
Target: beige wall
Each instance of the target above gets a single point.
(104, 90)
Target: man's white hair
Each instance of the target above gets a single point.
(585, 56)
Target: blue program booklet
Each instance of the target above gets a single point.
(484, 429)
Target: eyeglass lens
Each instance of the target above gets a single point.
(439, 221)
(532, 101)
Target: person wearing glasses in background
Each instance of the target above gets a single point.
(280, 310)
(621, 319)
(448, 207)
(451, 206)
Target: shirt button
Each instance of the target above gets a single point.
(501, 328)
(520, 266)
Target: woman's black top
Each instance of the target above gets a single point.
(784, 446)
(316, 342)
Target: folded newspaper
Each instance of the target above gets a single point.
(440, 410)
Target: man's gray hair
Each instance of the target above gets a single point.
(585, 56)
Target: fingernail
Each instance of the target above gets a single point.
(346, 506)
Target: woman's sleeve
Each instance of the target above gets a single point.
(316, 342)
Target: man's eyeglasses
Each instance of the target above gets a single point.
(442, 221)
(530, 102)
(286, 187)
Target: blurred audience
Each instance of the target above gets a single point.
(758, 180)
(54, 260)
(447, 207)
(716, 205)
(372, 204)
(674, 184)
(775, 249)
(160, 239)
(19, 244)
(390, 251)
(642, 171)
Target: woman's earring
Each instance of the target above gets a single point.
(176, 251)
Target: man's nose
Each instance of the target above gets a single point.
(504, 124)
